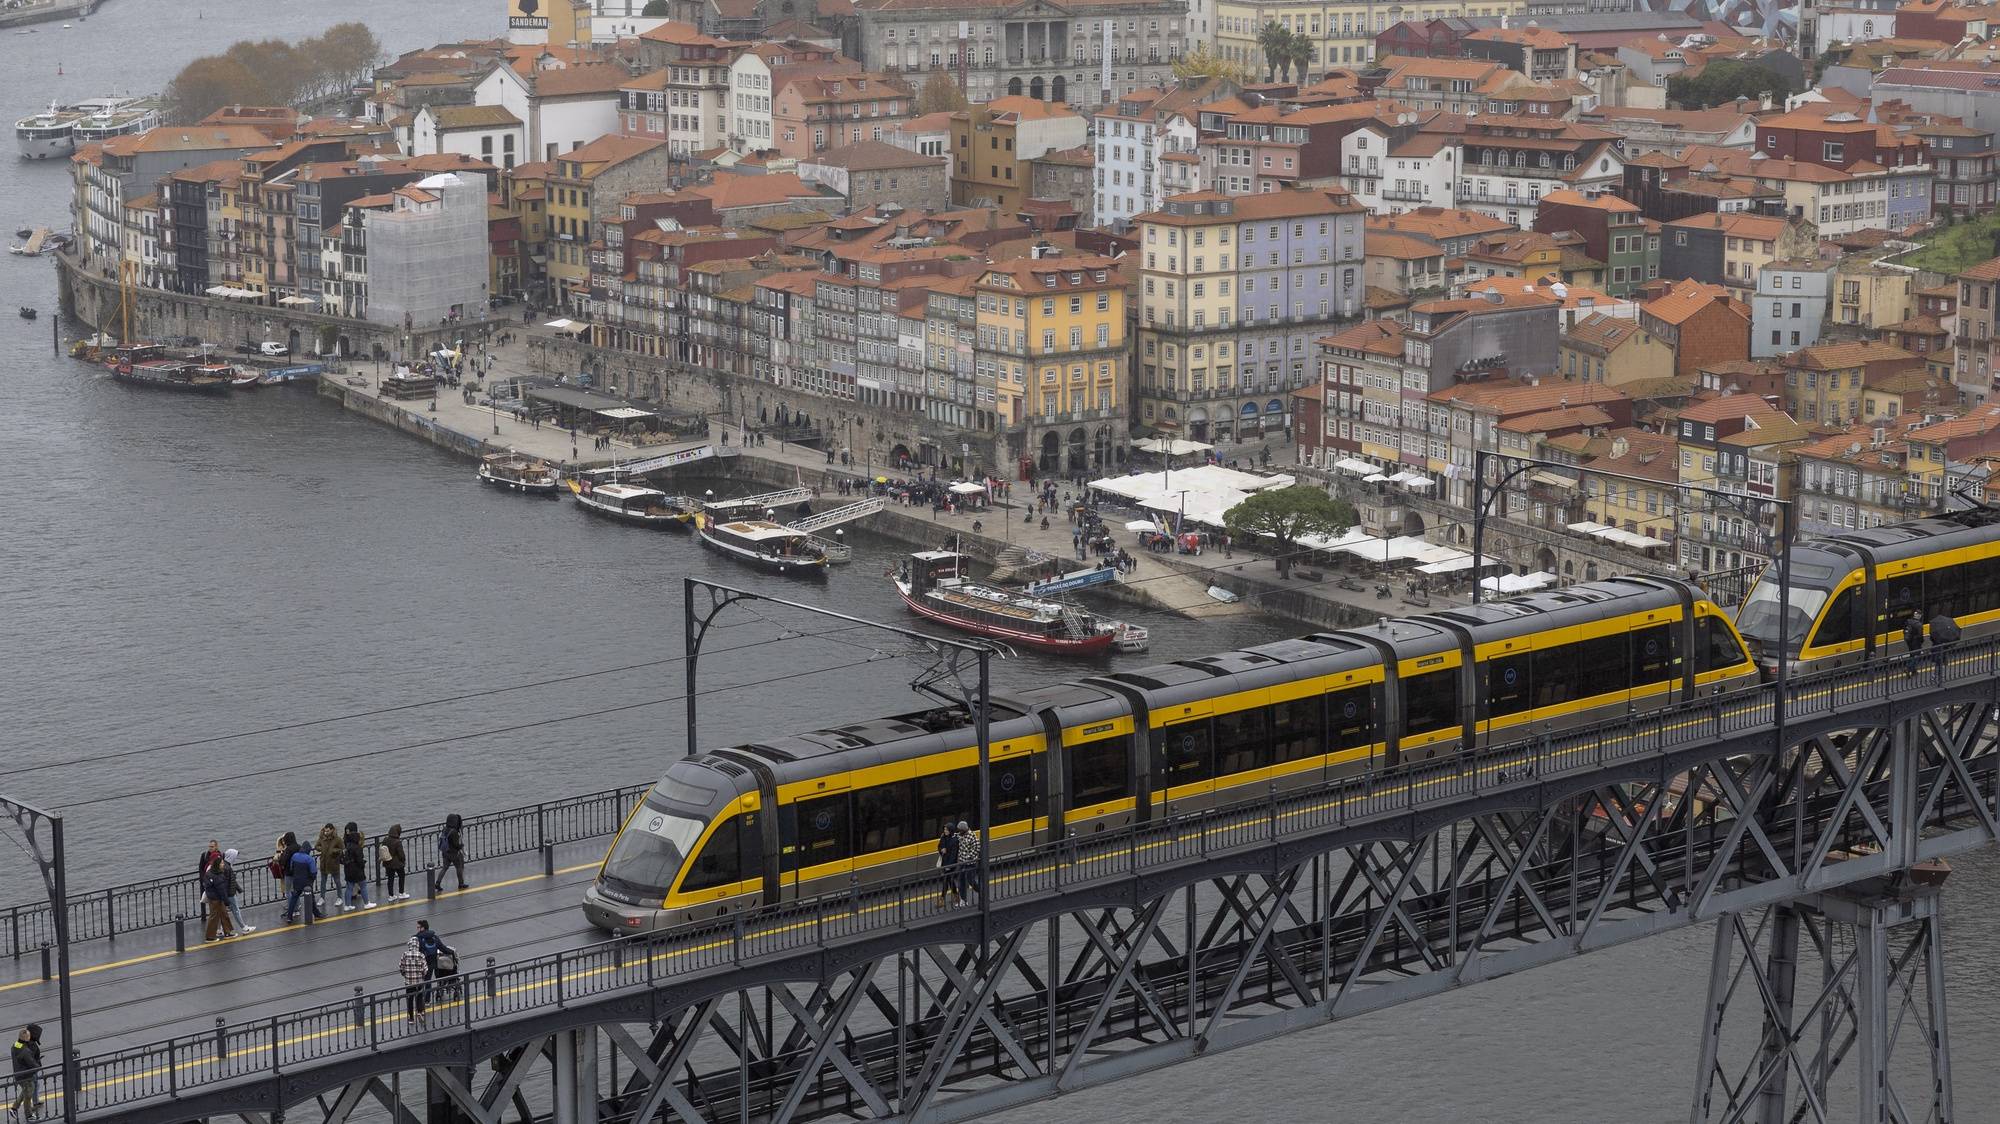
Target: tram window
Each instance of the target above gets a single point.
(719, 863)
(1430, 702)
(1013, 783)
(1980, 590)
(1098, 771)
(1652, 654)
(1900, 596)
(1352, 715)
(1843, 622)
(1553, 674)
(1603, 666)
(820, 827)
(1942, 587)
(1295, 730)
(1715, 648)
(884, 817)
(946, 798)
(1181, 755)
(1507, 685)
(1241, 742)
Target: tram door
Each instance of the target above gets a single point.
(1184, 766)
(1656, 662)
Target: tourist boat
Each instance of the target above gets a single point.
(59, 129)
(517, 472)
(170, 374)
(762, 543)
(39, 242)
(933, 584)
(27, 313)
(628, 503)
(241, 380)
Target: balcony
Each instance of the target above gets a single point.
(1496, 199)
(1402, 195)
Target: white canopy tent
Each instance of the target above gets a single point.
(296, 301)
(1517, 583)
(1141, 525)
(1171, 446)
(1449, 566)
(1202, 494)
(968, 488)
(1377, 478)
(560, 324)
(1354, 466)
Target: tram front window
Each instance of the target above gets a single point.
(1758, 619)
(650, 852)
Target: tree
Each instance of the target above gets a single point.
(1726, 80)
(1204, 63)
(940, 95)
(1272, 40)
(1299, 54)
(655, 10)
(206, 85)
(274, 72)
(1288, 515)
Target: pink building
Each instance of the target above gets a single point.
(812, 113)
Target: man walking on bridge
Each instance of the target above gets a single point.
(27, 1073)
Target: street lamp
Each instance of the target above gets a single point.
(28, 819)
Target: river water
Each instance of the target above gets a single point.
(181, 574)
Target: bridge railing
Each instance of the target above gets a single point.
(496, 992)
(104, 913)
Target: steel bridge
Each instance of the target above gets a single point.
(1106, 956)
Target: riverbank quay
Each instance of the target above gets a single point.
(46, 11)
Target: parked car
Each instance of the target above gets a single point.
(273, 347)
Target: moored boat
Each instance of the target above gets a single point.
(27, 313)
(934, 586)
(518, 472)
(628, 503)
(764, 544)
(170, 374)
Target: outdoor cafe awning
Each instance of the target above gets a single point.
(296, 301)
(560, 324)
(1354, 466)
(1517, 583)
(968, 488)
(1448, 566)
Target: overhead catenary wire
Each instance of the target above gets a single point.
(875, 656)
(375, 712)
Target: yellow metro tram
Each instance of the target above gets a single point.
(811, 813)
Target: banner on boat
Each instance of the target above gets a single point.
(1103, 575)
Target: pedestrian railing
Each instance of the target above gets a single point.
(103, 914)
(498, 993)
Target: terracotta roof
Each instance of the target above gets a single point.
(1736, 224)
(1653, 456)
(1603, 333)
(188, 138)
(1026, 108)
(1567, 418)
(612, 148)
(1771, 428)
(1984, 271)
(1540, 38)
(872, 156)
(1727, 406)
(473, 116)
(1840, 356)
(581, 81)
(1398, 246)
(1599, 202)
(1377, 337)
(1269, 205)
(728, 191)
(1688, 297)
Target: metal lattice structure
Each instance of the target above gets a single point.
(1099, 963)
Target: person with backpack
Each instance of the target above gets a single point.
(27, 1072)
(301, 871)
(451, 847)
(215, 899)
(395, 865)
(431, 945)
(1913, 640)
(326, 856)
(354, 867)
(968, 863)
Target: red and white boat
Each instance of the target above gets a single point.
(933, 584)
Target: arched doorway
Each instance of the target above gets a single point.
(1413, 523)
(899, 455)
(1059, 88)
(1274, 415)
(1590, 571)
(1246, 420)
(1197, 422)
(1100, 447)
(343, 347)
(1569, 571)
(1051, 459)
(1077, 454)
(292, 340)
(1014, 87)
(1545, 560)
(1035, 89)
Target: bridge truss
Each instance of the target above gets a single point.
(1106, 963)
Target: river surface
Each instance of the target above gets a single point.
(181, 579)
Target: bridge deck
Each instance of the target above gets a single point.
(138, 988)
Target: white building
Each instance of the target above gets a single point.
(1790, 308)
(1390, 176)
(559, 109)
(490, 132)
(755, 77)
(1134, 133)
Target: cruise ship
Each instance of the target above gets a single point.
(57, 130)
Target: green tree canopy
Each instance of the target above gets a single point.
(1726, 80)
(1287, 515)
(1273, 39)
(1204, 63)
(940, 94)
(274, 72)
(655, 10)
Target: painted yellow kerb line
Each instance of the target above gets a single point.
(670, 955)
(380, 908)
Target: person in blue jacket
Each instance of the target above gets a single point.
(301, 872)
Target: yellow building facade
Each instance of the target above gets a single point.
(1051, 336)
(1343, 34)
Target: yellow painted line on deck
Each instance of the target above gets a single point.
(379, 909)
(469, 979)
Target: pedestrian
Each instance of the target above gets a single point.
(947, 849)
(280, 865)
(326, 854)
(430, 944)
(395, 865)
(301, 871)
(415, 969)
(1944, 633)
(354, 867)
(215, 901)
(235, 888)
(968, 863)
(208, 857)
(1913, 640)
(451, 847)
(27, 1072)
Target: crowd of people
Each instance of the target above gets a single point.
(958, 857)
(331, 873)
